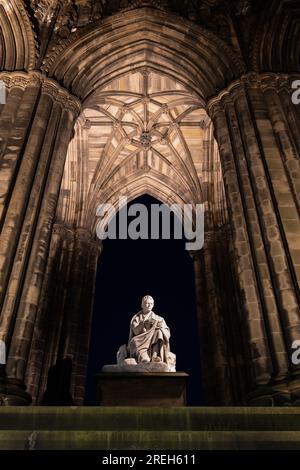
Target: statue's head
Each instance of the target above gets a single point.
(147, 303)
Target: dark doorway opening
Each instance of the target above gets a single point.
(128, 270)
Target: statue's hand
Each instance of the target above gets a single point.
(138, 329)
(149, 324)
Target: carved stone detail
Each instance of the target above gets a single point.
(19, 79)
(254, 80)
(44, 9)
(49, 86)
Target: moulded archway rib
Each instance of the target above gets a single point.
(160, 40)
(142, 133)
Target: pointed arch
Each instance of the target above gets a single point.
(137, 187)
(276, 44)
(17, 44)
(127, 41)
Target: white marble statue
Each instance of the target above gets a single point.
(148, 347)
(149, 335)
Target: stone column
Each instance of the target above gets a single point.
(286, 177)
(216, 381)
(225, 372)
(28, 220)
(238, 353)
(256, 234)
(76, 293)
(20, 193)
(62, 329)
(290, 109)
(246, 122)
(273, 193)
(278, 138)
(200, 296)
(15, 120)
(84, 326)
(74, 341)
(250, 290)
(47, 331)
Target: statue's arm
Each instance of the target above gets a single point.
(137, 327)
(167, 333)
(164, 328)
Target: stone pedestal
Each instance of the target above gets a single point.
(141, 389)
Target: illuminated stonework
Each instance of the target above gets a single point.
(189, 102)
(145, 139)
(143, 132)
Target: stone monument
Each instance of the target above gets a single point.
(148, 348)
(145, 373)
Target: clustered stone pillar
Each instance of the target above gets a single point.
(260, 167)
(84, 327)
(214, 364)
(79, 308)
(38, 120)
(56, 370)
(223, 355)
(47, 330)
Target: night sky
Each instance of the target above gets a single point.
(128, 270)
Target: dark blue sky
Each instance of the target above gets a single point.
(128, 270)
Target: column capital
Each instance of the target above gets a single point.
(226, 96)
(63, 231)
(84, 237)
(250, 79)
(237, 88)
(49, 86)
(20, 79)
(61, 95)
(272, 81)
(214, 107)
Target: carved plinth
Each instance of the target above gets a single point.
(154, 367)
(141, 389)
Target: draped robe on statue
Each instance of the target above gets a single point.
(155, 339)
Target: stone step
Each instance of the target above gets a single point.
(149, 419)
(149, 440)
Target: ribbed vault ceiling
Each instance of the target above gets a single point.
(143, 132)
(145, 120)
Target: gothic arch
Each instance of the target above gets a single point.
(142, 133)
(276, 44)
(142, 186)
(248, 266)
(17, 44)
(128, 40)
